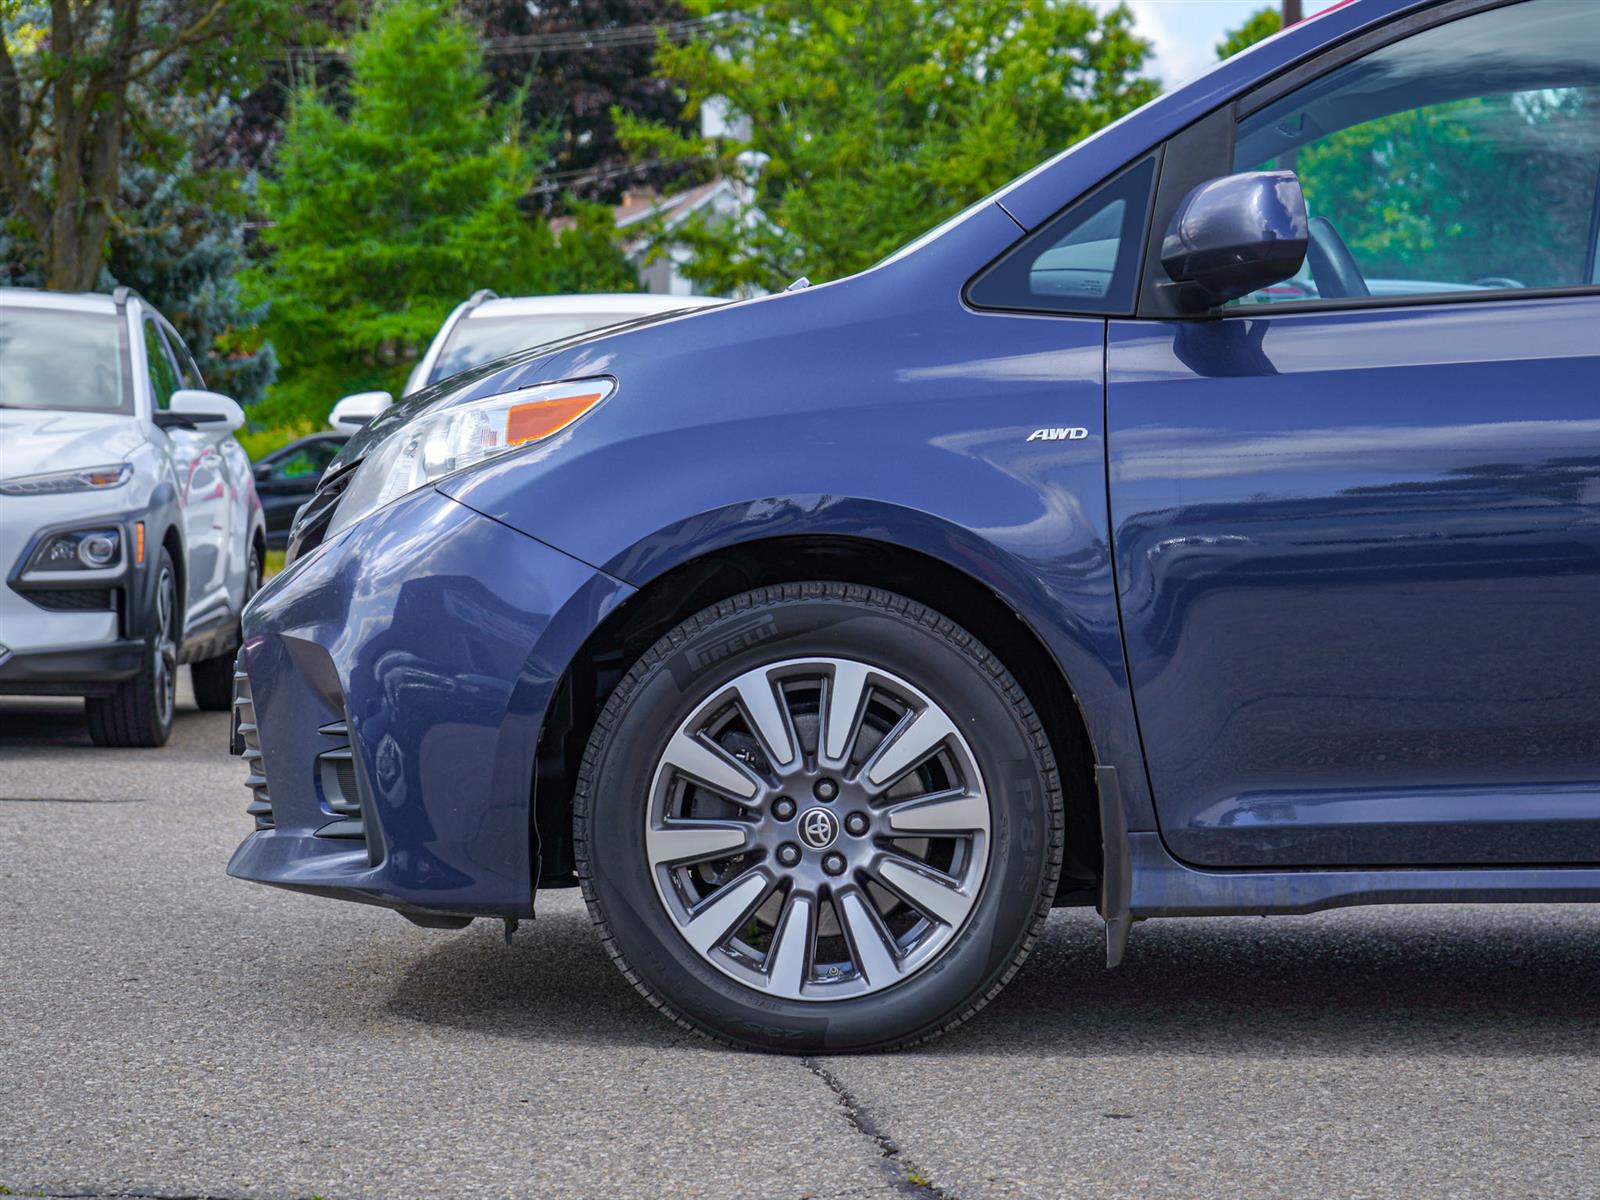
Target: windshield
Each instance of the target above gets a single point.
(62, 360)
(477, 340)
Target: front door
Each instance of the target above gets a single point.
(202, 494)
(1357, 519)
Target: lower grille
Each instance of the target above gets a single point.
(73, 599)
(248, 743)
(336, 771)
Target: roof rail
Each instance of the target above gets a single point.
(120, 294)
(479, 296)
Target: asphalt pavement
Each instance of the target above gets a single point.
(166, 1031)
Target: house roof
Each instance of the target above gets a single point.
(640, 207)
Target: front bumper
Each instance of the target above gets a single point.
(85, 671)
(394, 682)
(68, 632)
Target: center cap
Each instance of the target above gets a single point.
(818, 828)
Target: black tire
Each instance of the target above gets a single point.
(139, 712)
(777, 625)
(213, 677)
(213, 683)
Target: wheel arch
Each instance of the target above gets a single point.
(695, 583)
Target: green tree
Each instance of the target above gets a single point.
(177, 237)
(1262, 23)
(76, 83)
(859, 123)
(180, 242)
(386, 215)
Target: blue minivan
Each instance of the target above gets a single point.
(1208, 522)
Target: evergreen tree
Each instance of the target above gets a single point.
(860, 123)
(388, 215)
(179, 241)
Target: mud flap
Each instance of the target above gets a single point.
(1116, 870)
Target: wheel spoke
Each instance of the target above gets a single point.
(868, 944)
(712, 766)
(759, 700)
(956, 811)
(789, 958)
(847, 689)
(910, 743)
(933, 896)
(713, 921)
(694, 841)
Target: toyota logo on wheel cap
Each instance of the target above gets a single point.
(818, 828)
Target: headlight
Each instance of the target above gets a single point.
(448, 439)
(78, 550)
(92, 479)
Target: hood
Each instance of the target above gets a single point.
(35, 441)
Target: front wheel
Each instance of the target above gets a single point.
(139, 712)
(819, 817)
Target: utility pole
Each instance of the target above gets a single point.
(1291, 12)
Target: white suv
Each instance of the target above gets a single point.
(130, 532)
(488, 327)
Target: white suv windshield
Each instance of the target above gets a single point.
(62, 360)
(477, 340)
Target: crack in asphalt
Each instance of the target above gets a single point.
(902, 1174)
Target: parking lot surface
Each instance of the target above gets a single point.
(166, 1031)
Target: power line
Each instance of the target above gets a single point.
(615, 37)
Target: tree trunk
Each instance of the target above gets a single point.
(89, 120)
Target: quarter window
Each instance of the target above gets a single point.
(1086, 260)
(1464, 158)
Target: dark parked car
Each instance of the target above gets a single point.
(827, 640)
(286, 479)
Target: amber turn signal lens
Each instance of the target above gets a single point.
(138, 542)
(541, 418)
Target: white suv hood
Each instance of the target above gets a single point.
(34, 441)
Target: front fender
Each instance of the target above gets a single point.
(878, 407)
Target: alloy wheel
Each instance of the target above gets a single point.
(818, 829)
(165, 651)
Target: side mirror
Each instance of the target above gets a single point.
(262, 471)
(354, 411)
(191, 408)
(1233, 235)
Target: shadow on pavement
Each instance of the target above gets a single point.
(45, 725)
(554, 983)
(1453, 982)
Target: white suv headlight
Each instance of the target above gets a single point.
(445, 440)
(89, 479)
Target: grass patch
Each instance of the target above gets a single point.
(273, 564)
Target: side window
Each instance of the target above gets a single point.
(188, 372)
(163, 375)
(1086, 260)
(1464, 158)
